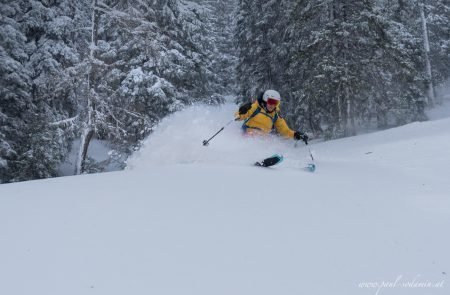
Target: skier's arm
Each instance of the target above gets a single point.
(245, 111)
(283, 128)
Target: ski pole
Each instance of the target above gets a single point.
(206, 142)
(312, 158)
(309, 149)
(311, 166)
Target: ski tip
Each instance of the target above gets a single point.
(311, 167)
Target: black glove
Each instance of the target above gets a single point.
(301, 136)
(245, 108)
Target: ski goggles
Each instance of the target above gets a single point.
(272, 101)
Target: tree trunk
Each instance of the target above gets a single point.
(86, 137)
(88, 128)
(426, 44)
(349, 122)
(332, 10)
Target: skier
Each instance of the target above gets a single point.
(263, 116)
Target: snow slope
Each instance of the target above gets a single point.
(188, 219)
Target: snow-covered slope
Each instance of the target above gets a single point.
(188, 219)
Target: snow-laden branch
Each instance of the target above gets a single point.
(111, 113)
(69, 121)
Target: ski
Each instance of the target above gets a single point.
(268, 162)
(311, 167)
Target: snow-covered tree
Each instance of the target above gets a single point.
(436, 21)
(425, 23)
(36, 60)
(261, 26)
(15, 86)
(221, 26)
(146, 60)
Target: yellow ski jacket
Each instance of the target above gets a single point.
(258, 119)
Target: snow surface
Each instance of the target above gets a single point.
(188, 219)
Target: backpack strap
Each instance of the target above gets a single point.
(275, 118)
(256, 112)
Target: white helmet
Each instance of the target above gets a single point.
(271, 94)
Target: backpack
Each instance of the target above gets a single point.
(256, 112)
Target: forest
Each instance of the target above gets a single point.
(111, 70)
